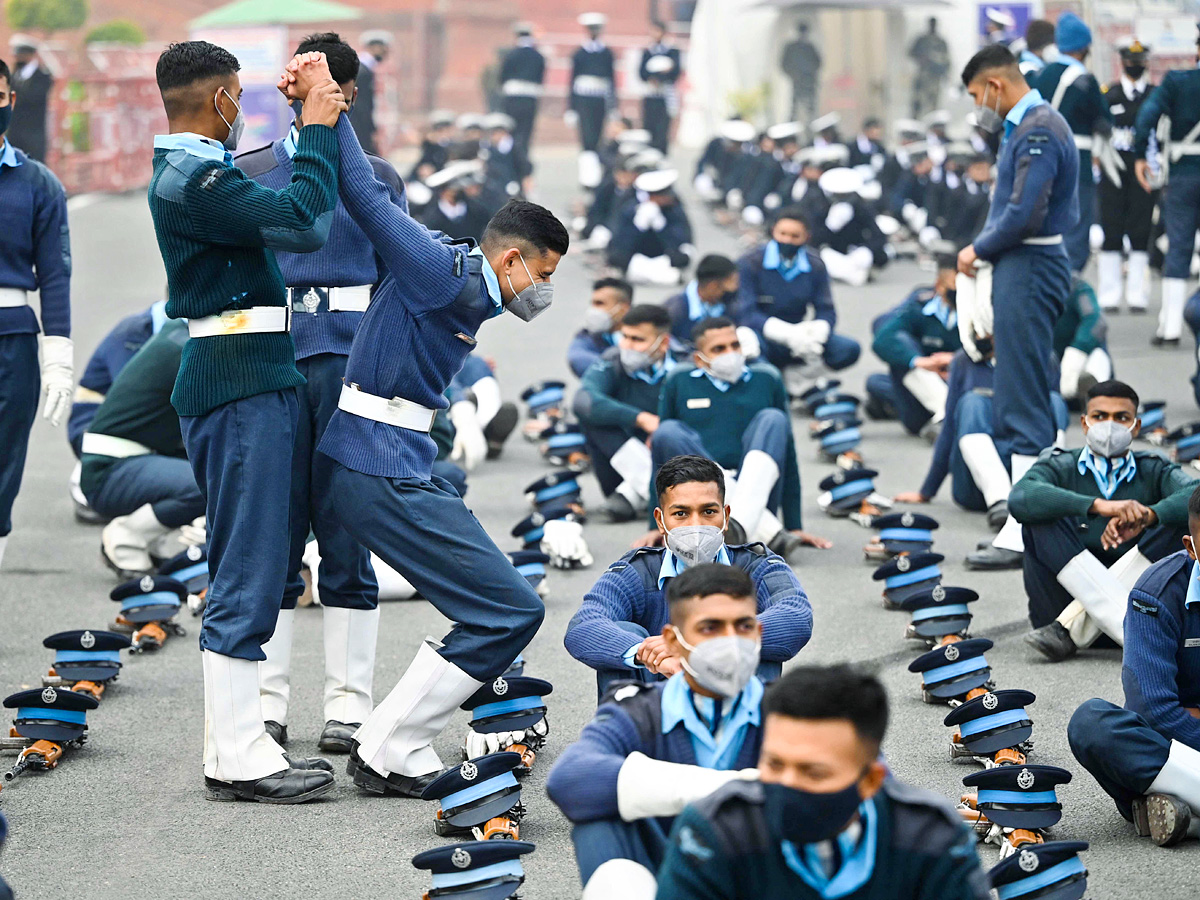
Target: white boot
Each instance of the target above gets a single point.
(768, 528)
(236, 746)
(1099, 365)
(126, 539)
(756, 479)
(1071, 366)
(1108, 282)
(986, 467)
(929, 389)
(622, 878)
(350, 638)
(274, 672)
(1180, 775)
(1009, 537)
(1137, 280)
(1104, 598)
(3, 544)
(1170, 317)
(396, 737)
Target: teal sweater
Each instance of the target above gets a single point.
(723, 420)
(610, 398)
(215, 228)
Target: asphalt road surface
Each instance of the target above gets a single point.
(126, 816)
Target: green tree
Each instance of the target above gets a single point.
(117, 31)
(46, 15)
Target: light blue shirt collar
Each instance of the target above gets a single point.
(738, 714)
(857, 848)
(158, 316)
(1017, 113)
(722, 386)
(289, 142)
(8, 156)
(1193, 591)
(1071, 62)
(697, 308)
(672, 565)
(658, 371)
(490, 281)
(940, 310)
(773, 259)
(1108, 473)
(194, 144)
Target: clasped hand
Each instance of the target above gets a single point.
(1126, 520)
(307, 79)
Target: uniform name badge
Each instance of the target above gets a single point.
(1191, 642)
(699, 403)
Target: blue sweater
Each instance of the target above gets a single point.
(966, 375)
(622, 594)
(417, 332)
(585, 349)
(347, 258)
(35, 252)
(765, 294)
(1160, 671)
(1037, 181)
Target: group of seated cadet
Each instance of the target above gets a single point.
(713, 292)
(610, 300)
(917, 340)
(617, 407)
(784, 296)
(481, 418)
(619, 628)
(1094, 519)
(848, 237)
(1146, 756)
(736, 414)
(651, 235)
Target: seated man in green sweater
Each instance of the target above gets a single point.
(617, 405)
(736, 415)
(826, 819)
(1094, 519)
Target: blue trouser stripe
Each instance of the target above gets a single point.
(905, 534)
(517, 704)
(938, 612)
(842, 491)
(478, 791)
(479, 874)
(71, 716)
(1021, 798)
(943, 673)
(88, 655)
(905, 578)
(987, 723)
(1045, 878)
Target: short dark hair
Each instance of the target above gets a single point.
(184, 63)
(4, 73)
(688, 470)
(707, 579)
(993, 56)
(1194, 504)
(648, 314)
(715, 267)
(617, 284)
(796, 214)
(831, 692)
(710, 324)
(522, 221)
(1113, 388)
(871, 122)
(343, 61)
(1039, 34)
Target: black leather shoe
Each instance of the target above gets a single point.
(735, 534)
(337, 737)
(289, 786)
(277, 732)
(1162, 817)
(311, 763)
(500, 428)
(369, 780)
(1053, 641)
(993, 559)
(785, 544)
(1164, 343)
(997, 515)
(618, 509)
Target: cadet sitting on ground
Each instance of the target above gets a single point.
(611, 299)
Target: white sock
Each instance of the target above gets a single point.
(1009, 537)
(986, 467)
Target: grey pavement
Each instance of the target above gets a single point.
(126, 817)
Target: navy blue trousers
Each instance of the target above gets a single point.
(454, 474)
(1121, 751)
(1050, 547)
(642, 841)
(165, 482)
(1181, 218)
(1191, 315)
(346, 579)
(1029, 287)
(20, 387)
(423, 530)
(1078, 239)
(840, 352)
(602, 443)
(241, 454)
(592, 111)
(890, 389)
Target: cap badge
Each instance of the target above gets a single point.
(194, 552)
(990, 701)
(903, 564)
(460, 858)
(1028, 861)
(938, 594)
(838, 477)
(1025, 780)
(49, 695)
(146, 584)
(951, 653)
(500, 687)
(469, 771)
(87, 640)
(907, 520)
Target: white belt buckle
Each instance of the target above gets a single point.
(311, 301)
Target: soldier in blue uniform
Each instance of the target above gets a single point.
(652, 237)
(611, 299)
(1178, 97)
(713, 292)
(652, 749)
(522, 72)
(1146, 756)
(825, 819)
(593, 91)
(660, 69)
(1034, 204)
(617, 629)
(1073, 91)
(328, 291)
(36, 256)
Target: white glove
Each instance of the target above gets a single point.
(778, 331)
(650, 787)
(808, 338)
(752, 215)
(478, 744)
(706, 187)
(772, 201)
(984, 319)
(928, 235)
(734, 199)
(649, 217)
(58, 377)
(563, 542)
(470, 445)
(571, 118)
(195, 532)
(751, 348)
(1070, 368)
(915, 216)
(839, 216)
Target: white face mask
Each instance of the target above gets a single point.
(236, 127)
(722, 665)
(530, 302)
(1109, 439)
(727, 367)
(696, 544)
(986, 117)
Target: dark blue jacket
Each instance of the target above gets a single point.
(1161, 667)
(1179, 98)
(523, 62)
(1083, 105)
(764, 294)
(628, 239)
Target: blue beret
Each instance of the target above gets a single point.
(511, 704)
(1049, 871)
(994, 721)
(479, 870)
(1071, 33)
(1019, 796)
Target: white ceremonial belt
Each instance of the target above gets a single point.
(116, 447)
(13, 297)
(1048, 241)
(87, 395)
(1177, 150)
(1083, 142)
(339, 299)
(255, 320)
(590, 84)
(516, 88)
(397, 411)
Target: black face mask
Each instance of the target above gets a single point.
(803, 817)
(788, 251)
(1135, 72)
(952, 296)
